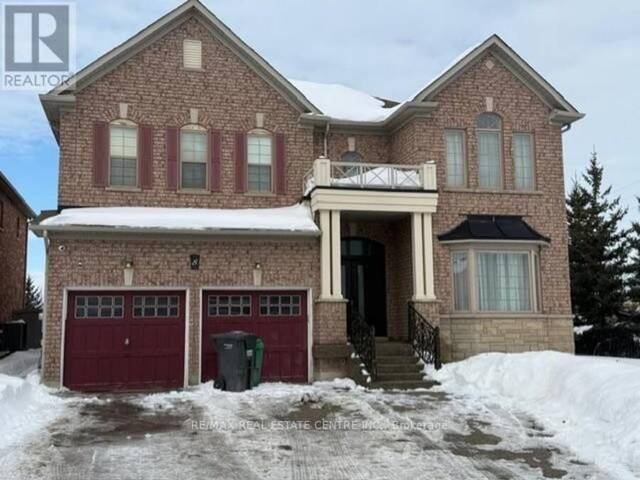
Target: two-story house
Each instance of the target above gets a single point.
(201, 191)
(15, 214)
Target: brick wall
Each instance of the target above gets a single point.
(13, 244)
(521, 110)
(160, 93)
(165, 263)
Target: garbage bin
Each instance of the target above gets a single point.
(235, 356)
(256, 365)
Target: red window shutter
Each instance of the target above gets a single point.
(173, 146)
(100, 153)
(241, 162)
(215, 159)
(145, 155)
(280, 164)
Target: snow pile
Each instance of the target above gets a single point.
(19, 364)
(344, 103)
(292, 218)
(582, 329)
(591, 404)
(25, 407)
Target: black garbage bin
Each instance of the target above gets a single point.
(235, 355)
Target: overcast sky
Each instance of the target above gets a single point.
(589, 50)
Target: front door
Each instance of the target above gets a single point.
(363, 281)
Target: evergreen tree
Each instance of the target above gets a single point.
(634, 264)
(598, 248)
(32, 295)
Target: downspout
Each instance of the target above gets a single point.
(326, 144)
(43, 342)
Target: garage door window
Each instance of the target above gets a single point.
(99, 306)
(280, 305)
(229, 305)
(156, 306)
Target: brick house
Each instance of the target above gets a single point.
(201, 191)
(14, 218)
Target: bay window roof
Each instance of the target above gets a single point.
(495, 228)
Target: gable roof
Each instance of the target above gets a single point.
(10, 191)
(516, 64)
(63, 95)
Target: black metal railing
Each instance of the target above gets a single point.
(424, 338)
(363, 338)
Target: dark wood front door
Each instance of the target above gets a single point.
(363, 281)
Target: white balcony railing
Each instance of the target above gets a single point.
(383, 176)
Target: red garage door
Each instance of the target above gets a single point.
(124, 340)
(278, 317)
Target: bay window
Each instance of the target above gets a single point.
(492, 280)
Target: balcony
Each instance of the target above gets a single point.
(371, 187)
(370, 176)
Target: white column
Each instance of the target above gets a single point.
(427, 241)
(336, 269)
(325, 254)
(417, 256)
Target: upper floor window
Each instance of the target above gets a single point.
(488, 132)
(123, 154)
(193, 157)
(259, 161)
(523, 161)
(456, 161)
(352, 157)
(192, 54)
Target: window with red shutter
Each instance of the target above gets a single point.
(215, 159)
(172, 141)
(100, 153)
(280, 164)
(240, 154)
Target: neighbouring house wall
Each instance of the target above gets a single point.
(160, 93)
(13, 246)
(522, 111)
(165, 263)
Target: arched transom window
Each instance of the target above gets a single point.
(489, 135)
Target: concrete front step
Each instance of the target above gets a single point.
(396, 359)
(393, 377)
(393, 348)
(399, 368)
(402, 384)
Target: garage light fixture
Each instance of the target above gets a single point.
(128, 272)
(257, 275)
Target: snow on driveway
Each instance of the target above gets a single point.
(323, 431)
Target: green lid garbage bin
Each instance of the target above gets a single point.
(256, 364)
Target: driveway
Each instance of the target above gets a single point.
(324, 431)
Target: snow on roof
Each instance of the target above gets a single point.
(295, 218)
(344, 103)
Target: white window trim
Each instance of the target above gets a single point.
(259, 132)
(465, 163)
(532, 143)
(124, 123)
(535, 288)
(203, 130)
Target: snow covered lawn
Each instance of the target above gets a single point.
(330, 431)
(590, 404)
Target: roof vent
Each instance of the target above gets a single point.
(192, 54)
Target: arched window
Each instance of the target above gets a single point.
(353, 157)
(259, 161)
(193, 157)
(123, 153)
(489, 135)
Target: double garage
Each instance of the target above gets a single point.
(138, 339)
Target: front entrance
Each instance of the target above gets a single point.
(363, 281)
